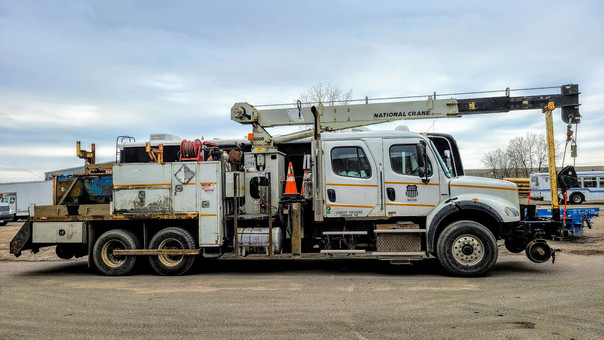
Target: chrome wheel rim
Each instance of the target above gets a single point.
(468, 250)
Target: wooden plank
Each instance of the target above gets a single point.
(296, 221)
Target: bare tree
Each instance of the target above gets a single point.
(328, 95)
(519, 155)
(541, 155)
(498, 161)
(523, 156)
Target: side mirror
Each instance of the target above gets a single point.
(421, 171)
(420, 149)
(422, 160)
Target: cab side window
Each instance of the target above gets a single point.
(403, 160)
(350, 162)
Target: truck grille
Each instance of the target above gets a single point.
(399, 243)
(4, 208)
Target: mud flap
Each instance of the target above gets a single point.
(22, 241)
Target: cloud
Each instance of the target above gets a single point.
(92, 70)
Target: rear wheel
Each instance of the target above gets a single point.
(172, 238)
(102, 253)
(576, 198)
(467, 248)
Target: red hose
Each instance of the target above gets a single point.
(565, 198)
(190, 150)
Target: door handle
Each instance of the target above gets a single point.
(391, 194)
(331, 195)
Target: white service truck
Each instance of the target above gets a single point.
(20, 195)
(374, 194)
(5, 214)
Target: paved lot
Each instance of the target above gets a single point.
(310, 299)
(347, 300)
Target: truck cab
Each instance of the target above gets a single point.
(397, 181)
(390, 174)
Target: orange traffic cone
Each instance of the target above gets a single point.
(290, 184)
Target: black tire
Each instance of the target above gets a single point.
(466, 248)
(3, 223)
(102, 253)
(576, 198)
(172, 238)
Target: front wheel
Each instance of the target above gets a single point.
(172, 238)
(466, 248)
(102, 253)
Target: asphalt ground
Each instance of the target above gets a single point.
(350, 299)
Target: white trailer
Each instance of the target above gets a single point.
(20, 195)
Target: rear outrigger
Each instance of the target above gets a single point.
(385, 195)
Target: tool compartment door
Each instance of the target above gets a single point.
(405, 193)
(140, 188)
(184, 191)
(351, 175)
(210, 199)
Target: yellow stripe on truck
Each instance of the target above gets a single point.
(351, 185)
(481, 187)
(349, 206)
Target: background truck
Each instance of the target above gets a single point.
(20, 195)
(385, 195)
(5, 214)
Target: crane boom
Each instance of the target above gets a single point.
(340, 117)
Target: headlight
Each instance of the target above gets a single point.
(511, 212)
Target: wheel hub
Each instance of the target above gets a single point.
(107, 253)
(170, 260)
(468, 250)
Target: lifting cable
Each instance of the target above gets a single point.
(434, 95)
(572, 140)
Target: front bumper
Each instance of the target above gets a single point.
(6, 217)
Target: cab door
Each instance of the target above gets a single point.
(352, 180)
(405, 192)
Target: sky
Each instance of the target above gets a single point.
(90, 71)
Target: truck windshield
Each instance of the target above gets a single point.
(440, 160)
